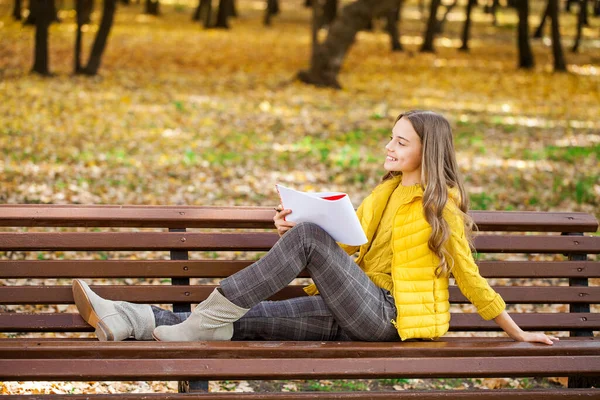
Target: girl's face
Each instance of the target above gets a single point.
(404, 150)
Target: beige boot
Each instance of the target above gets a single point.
(211, 320)
(113, 320)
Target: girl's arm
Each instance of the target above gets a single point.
(512, 329)
(489, 304)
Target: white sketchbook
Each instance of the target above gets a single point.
(332, 211)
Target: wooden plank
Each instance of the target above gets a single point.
(259, 241)
(136, 216)
(89, 241)
(221, 268)
(252, 217)
(296, 368)
(539, 269)
(537, 244)
(534, 221)
(489, 347)
(157, 294)
(122, 268)
(162, 294)
(516, 394)
(72, 322)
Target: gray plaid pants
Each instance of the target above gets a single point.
(350, 306)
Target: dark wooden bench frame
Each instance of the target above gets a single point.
(75, 359)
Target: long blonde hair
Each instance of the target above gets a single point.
(439, 172)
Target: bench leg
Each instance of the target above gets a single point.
(185, 386)
(579, 381)
(193, 386)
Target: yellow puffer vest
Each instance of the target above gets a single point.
(422, 298)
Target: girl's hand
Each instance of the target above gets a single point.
(535, 337)
(280, 223)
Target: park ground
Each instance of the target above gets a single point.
(183, 115)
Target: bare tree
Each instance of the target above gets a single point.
(271, 9)
(223, 14)
(108, 15)
(582, 16)
(467, 25)
(525, 54)
(83, 10)
(204, 9)
(540, 29)
(431, 29)
(557, 51)
(153, 7)
(327, 57)
(43, 11)
(393, 18)
(17, 10)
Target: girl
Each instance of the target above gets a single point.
(397, 289)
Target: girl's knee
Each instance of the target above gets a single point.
(310, 230)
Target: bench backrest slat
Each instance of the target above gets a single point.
(258, 241)
(223, 268)
(69, 322)
(196, 293)
(252, 217)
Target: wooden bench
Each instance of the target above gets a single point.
(155, 242)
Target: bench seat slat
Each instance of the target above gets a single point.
(252, 217)
(193, 294)
(222, 268)
(258, 241)
(520, 394)
(72, 322)
(296, 368)
(517, 394)
(494, 347)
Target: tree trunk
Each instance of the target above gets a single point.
(597, 8)
(50, 8)
(440, 25)
(329, 11)
(429, 35)
(271, 9)
(204, 9)
(83, 11)
(327, 57)
(108, 15)
(569, 3)
(580, 22)
(393, 19)
(78, 36)
(540, 29)
(232, 9)
(17, 10)
(491, 9)
(43, 17)
(467, 25)
(525, 54)
(153, 7)
(557, 51)
(207, 7)
(584, 11)
(223, 14)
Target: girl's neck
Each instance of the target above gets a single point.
(411, 179)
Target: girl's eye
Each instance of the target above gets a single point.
(400, 143)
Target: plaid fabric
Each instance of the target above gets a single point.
(350, 306)
(302, 318)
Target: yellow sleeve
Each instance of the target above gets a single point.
(476, 289)
(311, 289)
